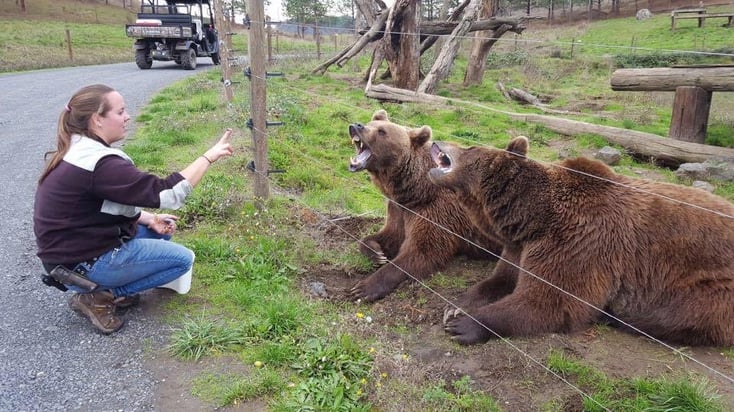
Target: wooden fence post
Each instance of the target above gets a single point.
(270, 43)
(68, 45)
(258, 102)
(317, 37)
(224, 55)
(691, 106)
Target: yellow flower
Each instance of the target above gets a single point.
(383, 375)
(372, 350)
(363, 381)
(360, 315)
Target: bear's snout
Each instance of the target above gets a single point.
(355, 129)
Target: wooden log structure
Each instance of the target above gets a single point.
(697, 13)
(693, 87)
(700, 15)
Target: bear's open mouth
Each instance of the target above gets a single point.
(442, 160)
(358, 162)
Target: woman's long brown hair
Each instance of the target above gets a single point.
(74, 119)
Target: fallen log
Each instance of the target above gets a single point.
(709, 78)
(524, 97)
(662, 150)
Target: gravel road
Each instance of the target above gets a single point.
(50, 358)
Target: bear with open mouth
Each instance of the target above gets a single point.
(590, 244)
(426, 226)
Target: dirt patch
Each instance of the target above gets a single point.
(408, 325)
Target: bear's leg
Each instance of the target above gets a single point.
(501, 282)
(412, 260)
(533, 308)
(385, 244)
(692, 316)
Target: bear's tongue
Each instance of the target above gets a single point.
(359, 162)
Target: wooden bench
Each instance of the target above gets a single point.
(693, 86)
(700, 14)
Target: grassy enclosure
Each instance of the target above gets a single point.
(252, 311)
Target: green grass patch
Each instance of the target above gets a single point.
(638, 394)
(459, 396)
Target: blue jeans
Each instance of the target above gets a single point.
(145, 262)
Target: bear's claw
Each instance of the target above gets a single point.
(466, 331)
(452, 312)
(359, 293)
(380, 259)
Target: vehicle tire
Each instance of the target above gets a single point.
(188, 59)
(143, 59)
(215, 58)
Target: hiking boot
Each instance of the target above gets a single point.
(99, 308)
(124, 302)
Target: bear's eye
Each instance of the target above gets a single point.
(381, 131)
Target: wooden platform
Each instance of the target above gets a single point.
(693, 85)
(700, 14)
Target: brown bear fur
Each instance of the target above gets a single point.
(419, 235)
(657, 257)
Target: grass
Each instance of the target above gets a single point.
(640, 394)
(249, 272)
(303, 354)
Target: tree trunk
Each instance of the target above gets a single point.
(341, 58)
(441, 66)
(443, 16)
(368, 6)
(387, 21)
(663, 150)
(405, 67)
(481, 45)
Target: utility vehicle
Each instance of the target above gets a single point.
(178, 30)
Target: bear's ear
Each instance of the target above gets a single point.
(518, 145)
(419, 137)
(380, 115)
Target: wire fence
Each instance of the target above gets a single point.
(306, 54)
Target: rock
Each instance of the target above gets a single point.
(695, 171)
(712, 169)
(720, 168)
(643, 14)
(318, 289)
(608, 155)
(699, 184)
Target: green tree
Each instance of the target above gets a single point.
(306, 11)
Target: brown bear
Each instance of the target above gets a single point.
(426, 226)
(657, 258)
